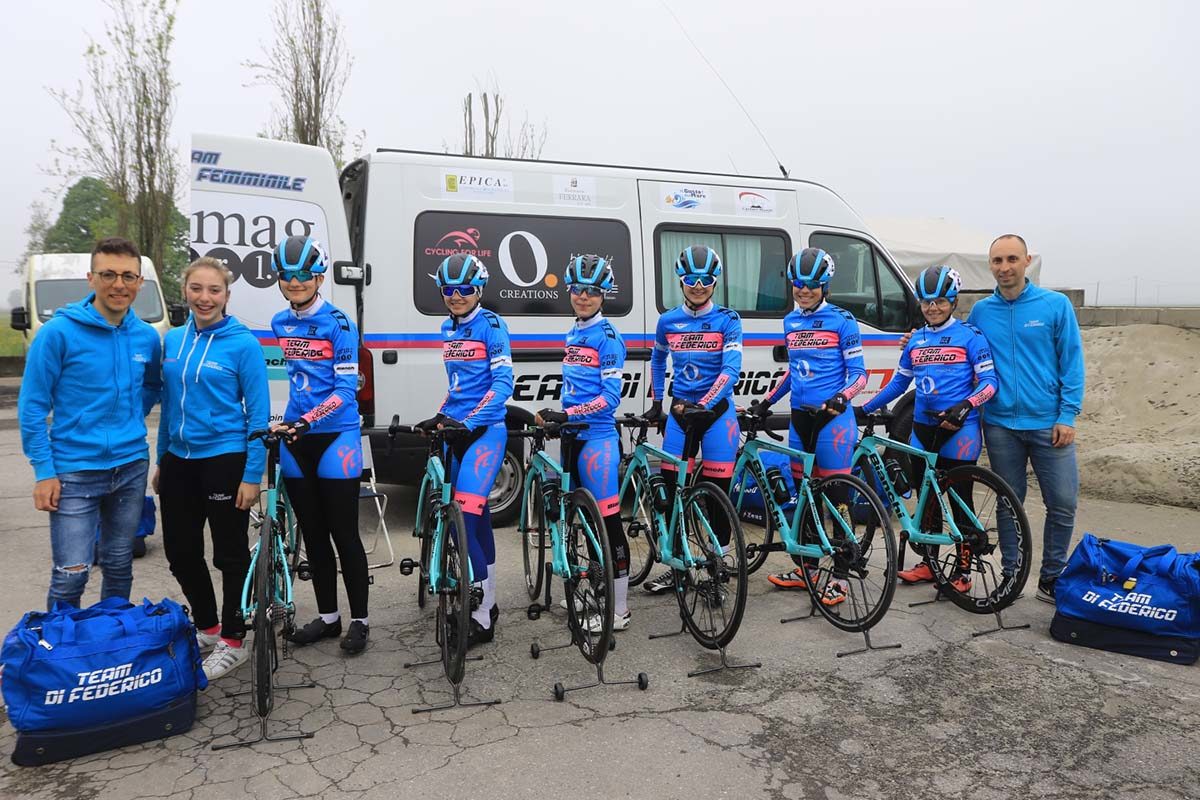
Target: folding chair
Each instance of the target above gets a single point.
(368, 491)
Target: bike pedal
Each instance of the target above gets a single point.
(370, 580)
(407, 566)
(304, 571)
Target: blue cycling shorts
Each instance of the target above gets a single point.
(594, 465)
(836, 438)
(323, 455)
(474, 471)
(719, 442)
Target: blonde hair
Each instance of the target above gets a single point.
(208, 262)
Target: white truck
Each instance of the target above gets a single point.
(393, 215)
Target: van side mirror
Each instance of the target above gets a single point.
(20, 319)
(177, 314)
(347, 273)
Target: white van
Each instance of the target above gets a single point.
(54, 279)
(393, 215)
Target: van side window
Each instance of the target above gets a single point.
(752, 283)
(864, 284)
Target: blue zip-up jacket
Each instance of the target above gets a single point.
(825, 356)
(99, 382)
(478, 358)
(1038, 354)
(320, 351)
(950, 363)
(592, 372)
(214, 393)
(706, 354)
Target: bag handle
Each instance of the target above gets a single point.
(68, 624)
(1158, 552)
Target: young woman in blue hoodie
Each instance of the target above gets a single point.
(215, 392)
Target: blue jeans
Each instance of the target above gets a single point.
(1058, 475)
(112, 499)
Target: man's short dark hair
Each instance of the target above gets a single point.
(117, 246)
(1009, 236)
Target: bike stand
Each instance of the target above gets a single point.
(1000, 626)
(457, 687)
(263, 736)
(724, 665)
(868, 645)
(560, 691)
(535, 610)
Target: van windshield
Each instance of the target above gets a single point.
(54, 294)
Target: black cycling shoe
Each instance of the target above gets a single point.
(495, 612)
(476, 633)
(315, 631)
(355, 640)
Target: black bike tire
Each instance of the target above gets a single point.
(1012, 588)
(264, 621)
(426, 537)
(454, 605)
(593, 647)
(884, 529)
(760, 557)
(641, 498)
(693, 494)
(535, 506)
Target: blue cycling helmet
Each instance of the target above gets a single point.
(590, 270)
(935, 282)
(462, 269)
(299, 253)
(811, 264)
(698, 260)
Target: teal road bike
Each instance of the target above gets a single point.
(567, 524)
(444, 567)
(965, 523)
(839, 532)
(676, 528)
(267, 602)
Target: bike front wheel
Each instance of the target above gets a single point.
(454, 593)
(853, 585)
(264, 653)
(637, 515)
(987, 571)
(534, 537)
(712, 592)
(589, 587)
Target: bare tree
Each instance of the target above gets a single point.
(122, 114)
(308, 66)
(527, 143)
(35, 233)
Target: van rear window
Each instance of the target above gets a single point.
(525, 256)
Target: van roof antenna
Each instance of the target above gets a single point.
(704, 58)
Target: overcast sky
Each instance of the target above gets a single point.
(1075, 124)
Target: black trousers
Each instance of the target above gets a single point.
(194, 491)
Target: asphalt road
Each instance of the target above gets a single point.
(1011, 715)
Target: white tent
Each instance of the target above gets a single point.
(920, 243)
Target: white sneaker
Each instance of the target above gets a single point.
(207, 641)
(620, 622)
(224, 659)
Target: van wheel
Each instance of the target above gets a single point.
(505, 498)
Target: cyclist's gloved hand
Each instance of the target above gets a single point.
(294, 430)
(693, 410)
(760, 409)
(654, 413)
(836, 404)
(956, 415)
(550, 415)
(861, 417)
(429, 425)
(452, 427)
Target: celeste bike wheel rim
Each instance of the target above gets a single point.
(589, 589)
(637, 515)
(535, 538)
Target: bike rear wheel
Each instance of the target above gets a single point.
(454, 593)
(637, 515)
(534, 538)
(712, 593)
(589, 588)
(853, 586)
(264, 653)
(992, 507)
(754, 511)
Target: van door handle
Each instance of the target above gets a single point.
(779, 353)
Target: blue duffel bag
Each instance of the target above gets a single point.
(73, 669)
(1127, 598)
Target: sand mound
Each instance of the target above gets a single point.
(1139, 434)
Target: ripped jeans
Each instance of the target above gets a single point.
(112, 499)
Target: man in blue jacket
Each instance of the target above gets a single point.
(1038, 355)
(95, 368)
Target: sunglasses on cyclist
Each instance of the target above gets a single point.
(937, 302)
(699, 280)
(302, 275)
(461, 291)
(803, 284)
(583, 290)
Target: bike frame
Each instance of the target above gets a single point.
(749, 460)
(282, 520)
(869, 446)
(665, 552)
(435, 483)
(556, 483)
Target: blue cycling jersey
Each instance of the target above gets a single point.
(478, 360)
(591, 372)
(320, 351)
(706, 354)
(950, 363)
(825, 357)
